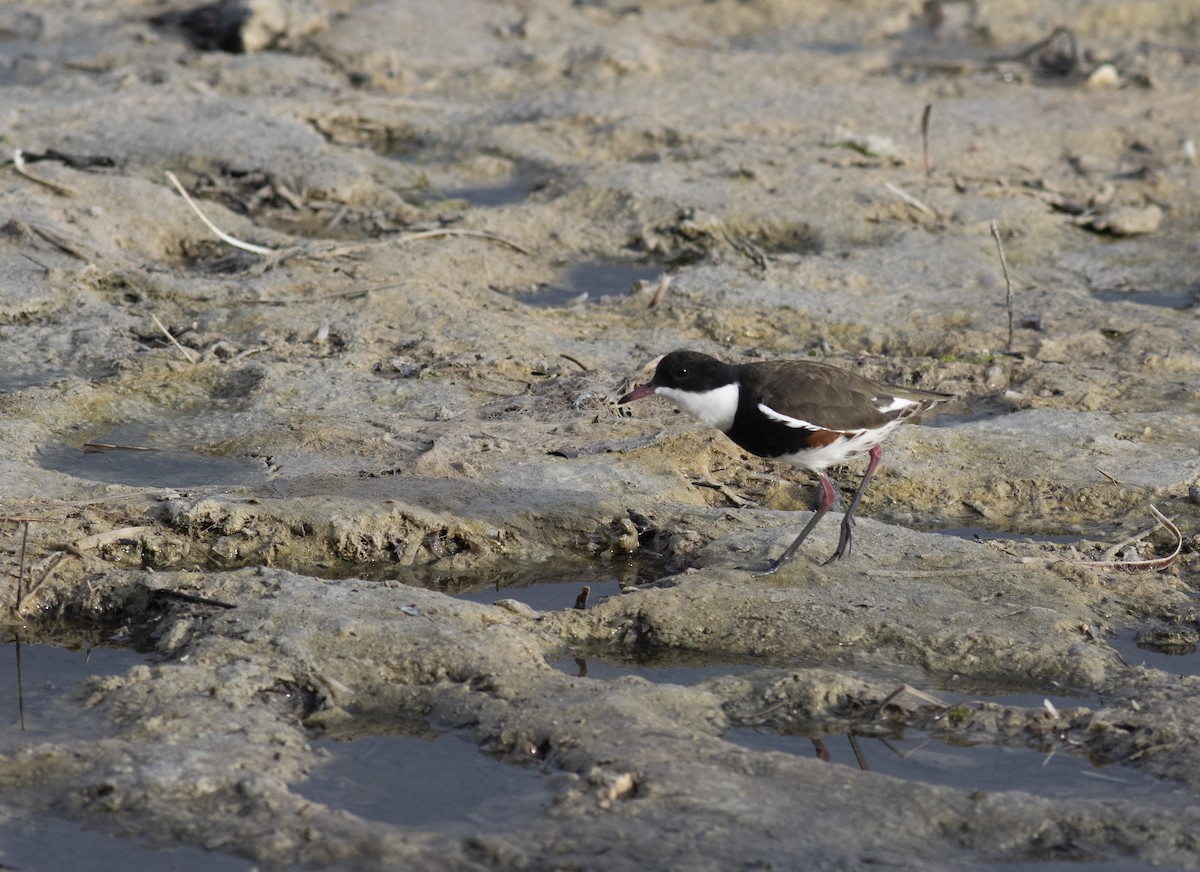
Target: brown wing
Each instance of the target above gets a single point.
(828, 396)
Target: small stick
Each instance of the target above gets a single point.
(35, 261)
(337, 218)
(341, 295)
(192, 598)
(109, 446)
(59, 558)
(21, 563)
(187, 354)
(1156, 564)
(18, 161)
(1008, 294)
(911, 573)
(1111, 552)
(911, 200)
(20, 682)
(1106, 475)
(108, 537)
(724, 490)
(574, 361)
(452, 231)
(925, 136)
(221, 234)
(762, 713)
(859, 756)
(1026, 53)
(61, 242)
(659, 291)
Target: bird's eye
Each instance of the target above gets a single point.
(682, 371)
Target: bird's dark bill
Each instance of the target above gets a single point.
(636, 394)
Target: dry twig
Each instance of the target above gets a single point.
(187, 354)
(96, 447)
(660, 291)
(1154, 564)
(1008, 294)
(900, 698)
(452, 231)
(925, 137)
(21, 562)
(221, 234)
(18, 162)
(911, 200)
(61, 242)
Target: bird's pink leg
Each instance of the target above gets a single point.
(828, 498)
(843, 549)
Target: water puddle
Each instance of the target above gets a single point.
(40, 686)
(515, 189)
(1178, 300)
(145, 456)
(590, 281)
(35, 845)
(441, 182)
(548, 596)
(683, 669)
(969, 412)
(441, 782)
(914, 755)
(982, 534)
(543, 586)
(1179, 660)
(12, 381)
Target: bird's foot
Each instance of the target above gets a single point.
(845, 541)
(762, 570)
(837, 555)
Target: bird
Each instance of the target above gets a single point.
(805, 413)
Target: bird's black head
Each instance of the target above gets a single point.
(683, 370)
(691, 371)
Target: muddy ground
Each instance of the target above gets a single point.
(408, 396)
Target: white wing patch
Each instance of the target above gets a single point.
(789, 421)
(716, 408)
(897, 404)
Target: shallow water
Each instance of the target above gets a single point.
(41, 693)
(1184, 662)
(982, 534)
(23, 379)
(144, 456)
(475, 189)
(681, 669)
(40, 688)
(515, 189)
(545, 596)
(590, 281)
(916, 756)
(443, 782)
(1177, 300)
(49, 844)
(543, 586)
(439, 782)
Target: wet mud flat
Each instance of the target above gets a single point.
(337, 478)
